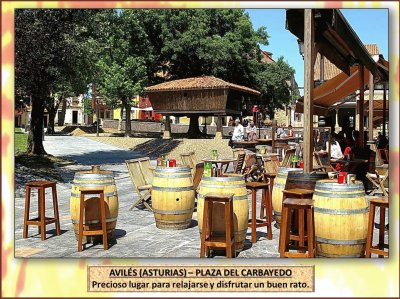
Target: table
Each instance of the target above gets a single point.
(349, 165)
(220, 162)
(246, 144)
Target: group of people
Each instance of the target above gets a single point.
(239, 131)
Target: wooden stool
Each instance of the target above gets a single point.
(90, 191)
(254, 186)
(41, 221)
(301, 205)
(383, 204)
(271, 178)
(207, 240)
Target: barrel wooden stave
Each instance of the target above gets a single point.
(225, 185)
(92, 212)
(279, 186)
(341, 219)
(173, 197)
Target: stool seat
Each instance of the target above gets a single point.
(298, 202)
(41, 221)
(85, 190)
(256, 185)
(40, 184)
(207, 238)
(298, 192)
(379, 249)
(299, 206)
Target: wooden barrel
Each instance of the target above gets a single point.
(225, 185)
(279, 186)
(299, 180)
(341, 219)
(94, 178)
(172, 197)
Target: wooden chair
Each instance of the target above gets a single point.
(189, 159)
(236, 152)
(139, 183)
(288, 157)
(146, 170)
(198, 174)
(319, 165)
(239, 164)
(378, 182)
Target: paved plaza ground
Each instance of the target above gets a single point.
(136, 233)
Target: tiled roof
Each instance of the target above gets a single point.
(204, 82)
(330, 70)
(267, 57)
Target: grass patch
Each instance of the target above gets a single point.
(21, 141)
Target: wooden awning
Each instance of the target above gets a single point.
(334, 38)
(339, 87)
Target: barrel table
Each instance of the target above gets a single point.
(279, 186)
(341, 219)
(173, 197)
(225, 185)
(94, 178)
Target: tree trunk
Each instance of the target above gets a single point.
(52, 110)
(121, 113)
(61, 119)
(194, 131)
(35, 137)
(127, 120)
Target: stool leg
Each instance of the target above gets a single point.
(26, 214)
(310, 233)
(81, 209)
(232, 228)
(228, 238)
(39, 209)
(103, 221)
(55, 207)
(268, 220)
(209, 226)
(203, 235)
(381, 229)
(283, 242)
(42, 214)
(301, 229)
(253, 216)
(370, 230)
(263, 206)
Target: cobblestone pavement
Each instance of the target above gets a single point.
(136, 233)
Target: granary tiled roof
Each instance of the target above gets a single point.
(203, 82)
(330, 70)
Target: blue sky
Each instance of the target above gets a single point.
(371, 26)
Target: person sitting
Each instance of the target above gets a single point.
(251, 131)
(238, 132)
(336, 151)
(280, 132)
(290, 131)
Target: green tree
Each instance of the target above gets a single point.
(46, 54)
(195, 42)
(121, 65)
(274, 82)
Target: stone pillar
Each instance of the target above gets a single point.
(167, 128)
(218, 133)
(337, 128)
(213, 121)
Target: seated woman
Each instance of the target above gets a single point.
(336, 151)
(251, 131)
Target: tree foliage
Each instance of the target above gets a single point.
(48, 60)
